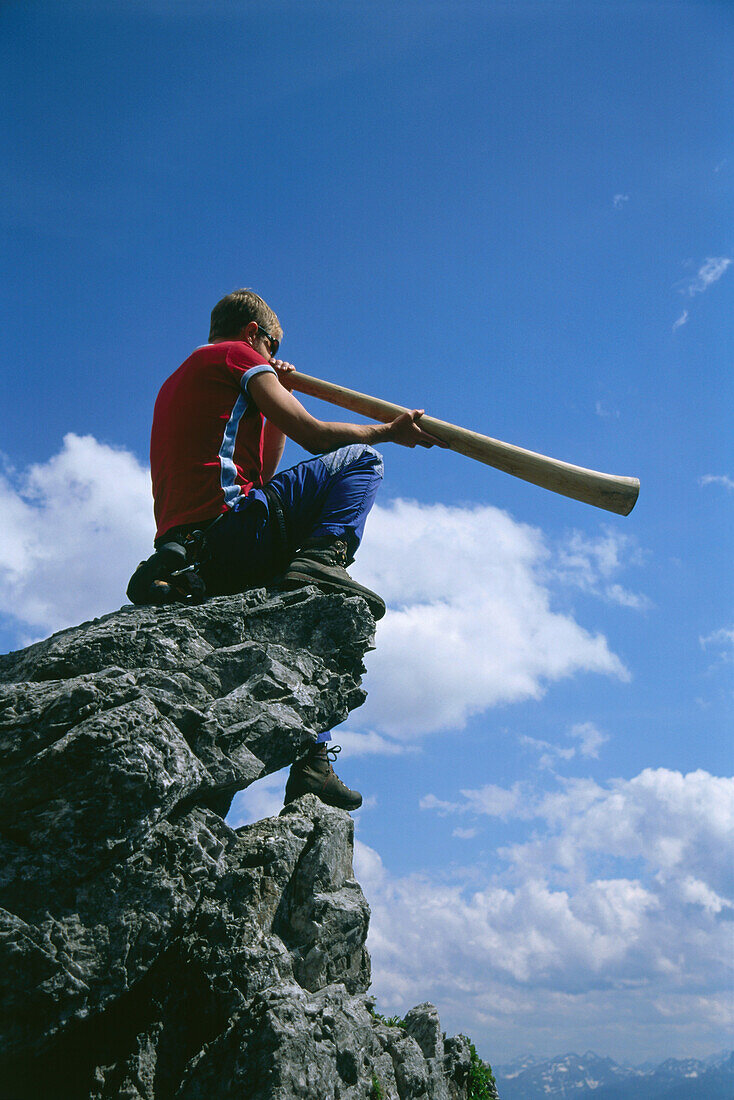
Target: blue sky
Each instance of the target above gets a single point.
(518, 216)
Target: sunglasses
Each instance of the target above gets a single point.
(273, 344)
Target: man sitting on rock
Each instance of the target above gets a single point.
(226, 519)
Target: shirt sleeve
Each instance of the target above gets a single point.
(245, 364)
(247, 377)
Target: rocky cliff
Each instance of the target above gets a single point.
(147, 950)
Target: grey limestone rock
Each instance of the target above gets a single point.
(147, 950)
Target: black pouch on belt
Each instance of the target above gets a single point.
(172, 573)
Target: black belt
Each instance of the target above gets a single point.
(178, 534)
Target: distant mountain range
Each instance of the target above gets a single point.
(586, 1076)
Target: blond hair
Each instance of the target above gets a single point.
(233, 312)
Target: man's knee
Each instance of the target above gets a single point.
(356, 454)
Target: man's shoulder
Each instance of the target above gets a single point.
(226, 361)
(231, 353)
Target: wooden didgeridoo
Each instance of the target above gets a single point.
(615, 494)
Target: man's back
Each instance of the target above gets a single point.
(206, 440)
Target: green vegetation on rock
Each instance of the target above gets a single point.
(482, 1084)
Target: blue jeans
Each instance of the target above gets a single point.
(328, 495)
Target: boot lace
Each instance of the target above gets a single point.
(335, 749)
(330, 752)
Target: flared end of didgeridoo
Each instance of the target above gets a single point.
(624, 498)
(633, 495)
(607, 491)
(614, 494)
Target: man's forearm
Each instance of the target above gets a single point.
(281, 408)
(327, 436)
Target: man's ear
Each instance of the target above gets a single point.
(249, 332)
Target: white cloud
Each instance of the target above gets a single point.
(698, 893)
(635, 600)
(74, 528)
(591, 564)
(615, 902)
(619, 200)
(590, 737)
(489, 800)
(430, 802)
(709, 273)
(681, 320)
(671, 821)
(369, 743)
(550, 754)
(605, 412)
(495, 801)
(721, 640)
(585, 561)
(264, 798)
(717, 479)
(723, 636)
(471, 623)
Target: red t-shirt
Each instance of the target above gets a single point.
(206, 446)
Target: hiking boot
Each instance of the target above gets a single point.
(151, 581)
(313, 774)
(322, 561)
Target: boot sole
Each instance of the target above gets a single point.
(337, 805)
(297, 580)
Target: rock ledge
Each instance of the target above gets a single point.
(147, 950)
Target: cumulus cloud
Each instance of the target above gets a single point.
(717, 479)
(471, 623)
(708, 273)
(74, 528)
(675, 823)
(619, 894)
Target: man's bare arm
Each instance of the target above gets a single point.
(273, 437)
(273, 446)
(286, 412)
